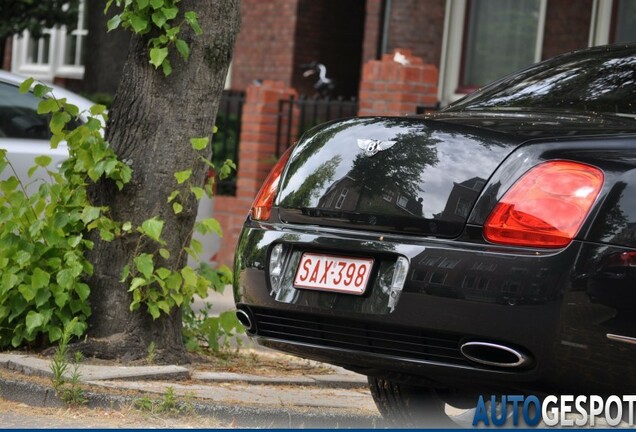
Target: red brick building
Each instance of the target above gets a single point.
(394, 55)
(470, 42)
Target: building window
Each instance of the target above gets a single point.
(463, 207)
(388, 195)
(58, 53)
(342, 197)
(613, 21)
(402, 201)
(487, 39)
(624, 25)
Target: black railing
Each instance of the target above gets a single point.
(295, 116)
(426, 109)
(225, 143)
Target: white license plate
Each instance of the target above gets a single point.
(333, 273)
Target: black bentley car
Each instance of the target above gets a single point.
(489, 248)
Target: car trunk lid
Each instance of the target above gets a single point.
(399, 175)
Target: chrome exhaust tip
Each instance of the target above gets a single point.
(244, 318)
(493, 354)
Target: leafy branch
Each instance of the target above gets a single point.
(156, 16)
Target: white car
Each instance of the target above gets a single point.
(23, 132)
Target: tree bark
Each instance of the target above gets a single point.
(105, 52)
(153, 118)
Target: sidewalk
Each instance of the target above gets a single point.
(338, 399)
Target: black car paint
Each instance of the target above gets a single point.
(557, 306)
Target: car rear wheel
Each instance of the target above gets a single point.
(409, 406)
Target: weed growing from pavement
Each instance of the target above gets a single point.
(169, 404)
(152, 353)
(68, 389)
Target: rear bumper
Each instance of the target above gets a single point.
(543, 303)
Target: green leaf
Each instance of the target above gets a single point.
(90, 213)
(189, 276)
(9, 185)
(83, 291)
(145, 265)
(182, 176)
(166, 66)
(142, 4)
(33, 321)
(154, 311)
(73, 110)
(58, 121)
(197, 191)
(156, 4)
(157, 56)
(196, 246)
(183, 48)
(136, 283)
(113, 23)
(65, 278)
(163, 273)
(177, 208)
(32, 170)
(125, 272)
(48, 105)
(199, 143)
(210, 225)
(98, 109)
(127, 226)
(177, 297)
(152, 228)
(165, 253)
(40, 279)
(43, 161)
(170, 12)
(191, 18)
(173, 195)
(40, 90)
(138, 23)
(158, 18)
(164, 306)
(26, 85)
(55, 333)
(28, 292)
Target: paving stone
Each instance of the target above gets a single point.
(41, 367)
(252, 379)
(262, 395)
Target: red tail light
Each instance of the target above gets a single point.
(546, 207)
(262, 207)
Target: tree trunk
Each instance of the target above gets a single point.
(105, 52)
(153, 118)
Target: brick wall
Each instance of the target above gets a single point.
(372, 27)
(329, 32)
(566, 27)
(265, 46)
(257, 152)
(391, 88)
(5, 62)
(417, 25)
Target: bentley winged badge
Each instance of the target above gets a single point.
(372, 146)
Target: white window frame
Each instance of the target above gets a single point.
(81, 33)
(55, 67)
(452, 48)
(601, 22)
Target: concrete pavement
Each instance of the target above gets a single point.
(337, 399)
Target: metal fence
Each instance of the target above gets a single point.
(297, 115)
(225, 143)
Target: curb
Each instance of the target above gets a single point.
(38, 395)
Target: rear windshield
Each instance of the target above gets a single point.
(601, 80)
